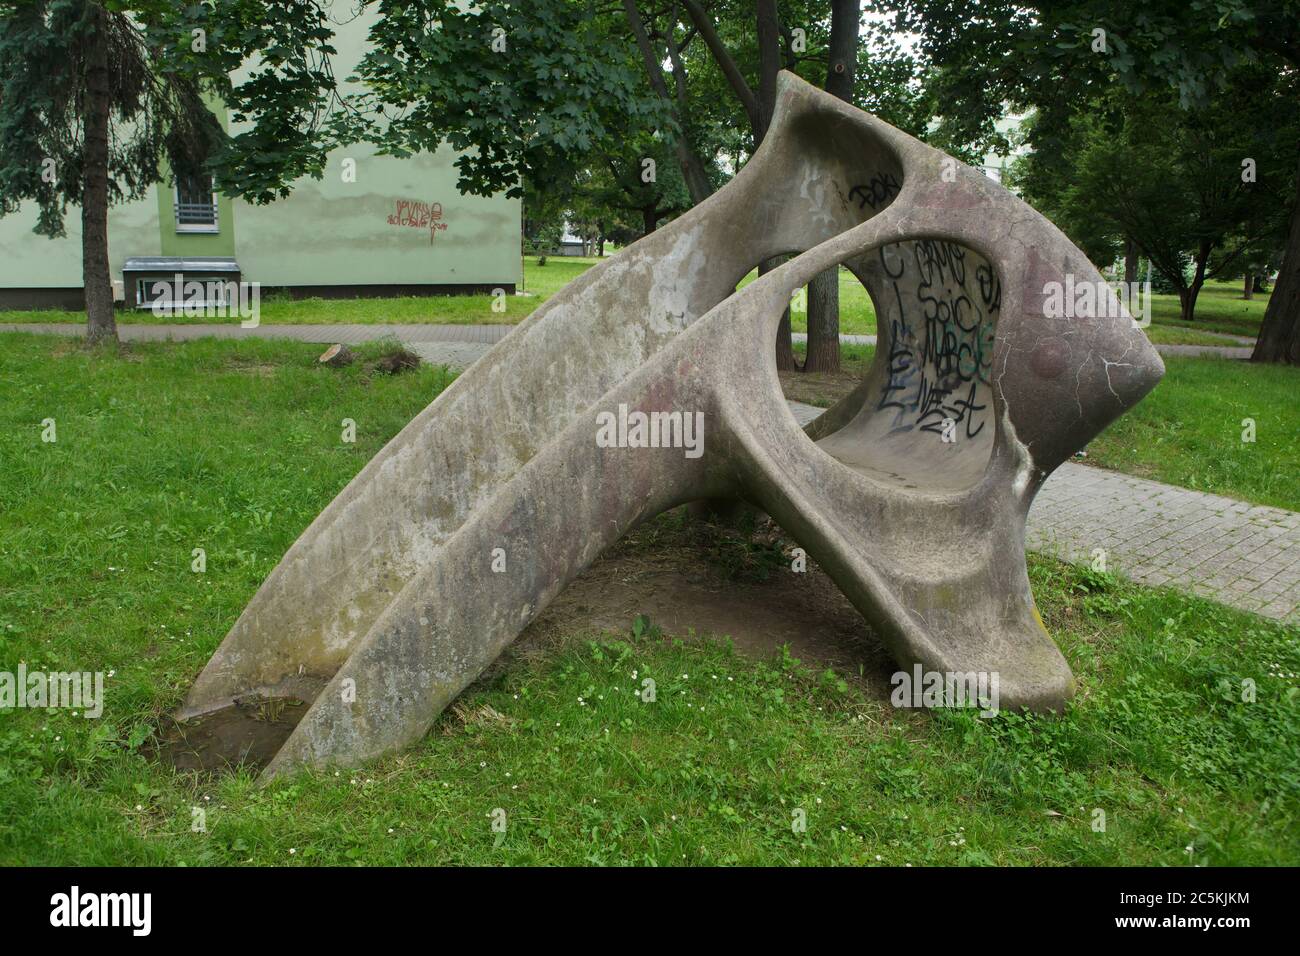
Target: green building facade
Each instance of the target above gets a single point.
(374, 225)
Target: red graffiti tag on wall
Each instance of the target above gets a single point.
(418, 215)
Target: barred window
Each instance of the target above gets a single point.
(196, 204)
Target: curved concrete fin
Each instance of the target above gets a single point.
(650, 381)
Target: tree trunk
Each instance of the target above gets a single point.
(1130, 262)
(1248, 292)
(1279, 335)
(735, 79)
(769, 63)
(823, 323)
(1187, 299)
(649, 220)
(101, 325)
(697, 180)
(785, 346)
(824, 290)
(1187, 296)
(785, 361)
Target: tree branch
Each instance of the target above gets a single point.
(679, 71)
(704, 25)
(652, 67)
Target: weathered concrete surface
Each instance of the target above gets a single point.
(499, 493)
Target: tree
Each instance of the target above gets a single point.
(99, 98)
(523, 91)
(1208, 187)
(1173, 183)
(1048, 55)
(625, 193)
(1045, 177)
(676, 104)
(640, 178)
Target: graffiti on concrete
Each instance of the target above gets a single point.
(878, 192)
(947, 299)
(418, 215)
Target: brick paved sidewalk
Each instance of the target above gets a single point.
(1231, 551)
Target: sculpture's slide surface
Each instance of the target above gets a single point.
(912, 495)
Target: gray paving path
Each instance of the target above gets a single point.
(1222, 351)
(1237, 553)
(1243, 555)
(452, 354)
(844, 339)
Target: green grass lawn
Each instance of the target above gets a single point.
(1219, 308)
(1188, 431)
(234, 447)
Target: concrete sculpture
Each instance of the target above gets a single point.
(650, 382)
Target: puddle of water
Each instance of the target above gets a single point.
(247, 733)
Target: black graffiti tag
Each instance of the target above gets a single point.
(939, 380)
(877, 192)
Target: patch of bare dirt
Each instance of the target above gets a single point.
(822, 389)
(688, 584)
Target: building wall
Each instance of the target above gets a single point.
(29, 261)
(332, 229)
(173, 243)
(220, 243)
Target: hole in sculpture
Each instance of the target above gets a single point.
(811, 384)
(927, 417)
